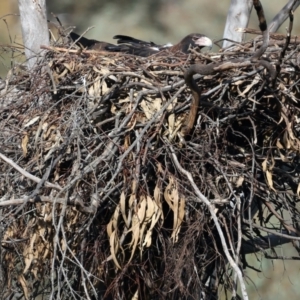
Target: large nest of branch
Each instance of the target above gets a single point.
(103, 195)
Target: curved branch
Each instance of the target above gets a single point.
(264, 29)
(283, 15)
(196, 92)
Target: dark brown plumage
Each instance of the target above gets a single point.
(89, 44)
(130, 45)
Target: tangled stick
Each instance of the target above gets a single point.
(216, 67)
(196, 92)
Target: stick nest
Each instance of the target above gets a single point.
(102, 194)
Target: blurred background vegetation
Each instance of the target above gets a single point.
(162, 21)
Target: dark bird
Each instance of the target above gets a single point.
(130, 45)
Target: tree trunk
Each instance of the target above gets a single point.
(34, 28)
(238, 16)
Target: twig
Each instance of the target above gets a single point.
(28, 175)
(283, 235)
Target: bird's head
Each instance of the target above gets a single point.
(197, 40)
(201, 40)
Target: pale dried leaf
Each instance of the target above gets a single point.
(156, 216)
(150, 209)
(158, 201)
(279, 145)
(170, 192)
(23, 283)
(136, 295)
(171, 122)
(151, 107)
(240, 181)
(132, 198)
(264, 165)
(135, 235)
(49, 131)
(176, 204)
(113, 223)
(284, 158)
(114, 246)
(270, 180)
(181, 213)
(28, 253)
(70, 66)
(123, 208)
(250, 86)
(63, 73)
(141, 209)
(24, 144)
(105, 88)
(95, 89)
(31, 122)
(298, 190)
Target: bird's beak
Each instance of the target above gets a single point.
(204, 42)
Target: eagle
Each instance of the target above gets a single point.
(130, 45)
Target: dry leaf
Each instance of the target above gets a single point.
(24, 144)
(29, 253)
(23, 283)
(114, 246)
(123, 208)
(298, 190)
(95, 88)
(70, 66)
(150, 107)
(264, 165)
(176, 204)
(31, 122)
(135, 229)
(279, 145)
(240, 181)
(180, 217)
(112, 225)
(270, 180)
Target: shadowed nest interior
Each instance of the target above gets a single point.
(104, 195)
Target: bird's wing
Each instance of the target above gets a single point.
(133, 49)
(86, 43)
(138, 47)
(89, 43)
(125, 39)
